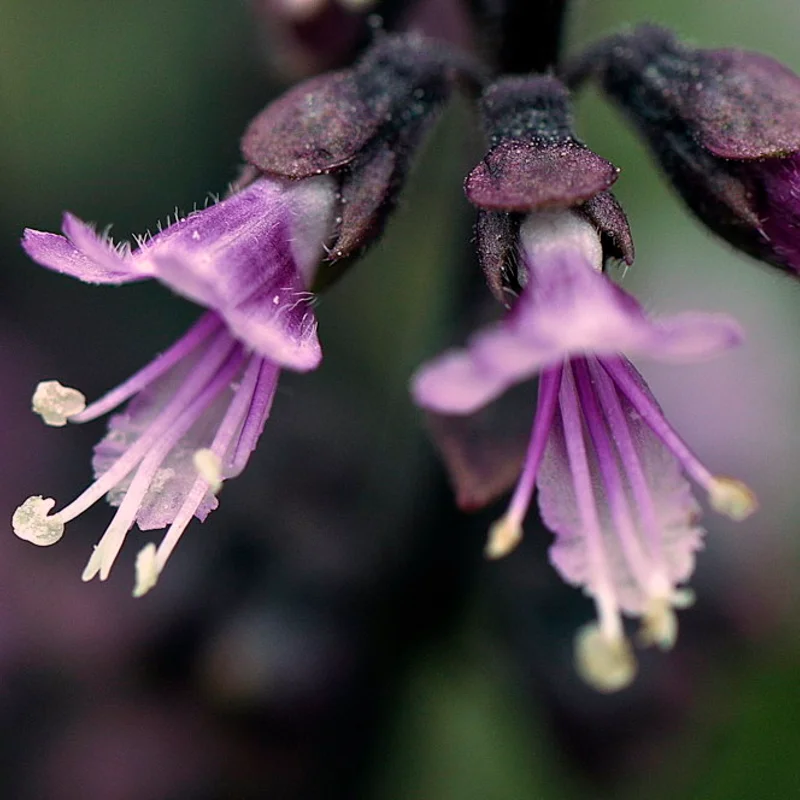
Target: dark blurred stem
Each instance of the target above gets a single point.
(521, 35)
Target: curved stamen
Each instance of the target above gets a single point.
(109, 546)
(727, 495)
(617, 421)
(232, 423)
(189, 389)
(257, 416)
(207, 324)
(505, 534)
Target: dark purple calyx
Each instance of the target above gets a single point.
(536, 163)
(525, 176)
(779, 208)
(364, 124)
(497, 240)
(720, 122)
(734, 103)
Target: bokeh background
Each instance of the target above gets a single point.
(332, 631)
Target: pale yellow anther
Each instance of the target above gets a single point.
(504, 536)
(55, 403)
(605, 662)
(209, 467)
(732, 497)
(659, 624)
(31, 521)
(147, 570)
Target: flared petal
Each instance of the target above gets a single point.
(568, 308)
(457, 383)
(249, 258)
(675, 509)
(81, 253)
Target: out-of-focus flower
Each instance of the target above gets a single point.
(725, 127)
(198, 409)
(607, 463)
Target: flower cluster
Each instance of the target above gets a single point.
(325, 165)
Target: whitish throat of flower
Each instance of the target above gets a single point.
(619, 530)
(208, 401)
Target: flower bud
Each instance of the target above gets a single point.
(725, 127)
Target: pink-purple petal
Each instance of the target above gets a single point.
(567, 309)
(94, 265)
(675, 510)
(278, 324)
(454, 383)
(249, 258)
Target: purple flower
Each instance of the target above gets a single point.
(607, 463)
(197, 410)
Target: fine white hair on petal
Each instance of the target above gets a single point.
(31, 521)
(312, 206)
(55, 403)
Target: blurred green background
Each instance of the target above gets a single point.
(123, 111)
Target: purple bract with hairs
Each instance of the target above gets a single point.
(607, 463)
(197, 410)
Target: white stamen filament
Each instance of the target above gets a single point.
(647, 573)
(55, 403)
(599, 581)
(231, 425)
(623, 441)
(110, 544)
(40, 526)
